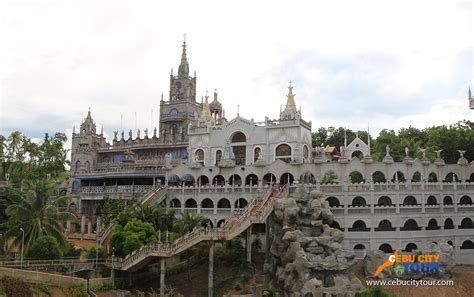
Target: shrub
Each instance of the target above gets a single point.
(45, 248)
(76, 291)
(374, 292)
(101, 287)
(44, 288)
(16, 287)
(91, 252)
(70, 251)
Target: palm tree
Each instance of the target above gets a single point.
(39, 210)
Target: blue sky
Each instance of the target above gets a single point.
(388, 63)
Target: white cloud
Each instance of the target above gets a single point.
(61, 57)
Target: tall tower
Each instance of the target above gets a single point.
(181, 107)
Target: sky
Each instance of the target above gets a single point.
(387, 64)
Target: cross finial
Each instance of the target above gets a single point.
(238, 109)
(290, 82)
(184, 37)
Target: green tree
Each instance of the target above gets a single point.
(92, 252)
(136, 233)
(329, 177)
(187, 222)
(38, 210)
(45, 247)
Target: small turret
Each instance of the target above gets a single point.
(290, 112)
(88, 126)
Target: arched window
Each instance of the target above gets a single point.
(450, 243)
(378, 177)
(466, 223)
(409, 200)
(251, 179)
(359, 201)
(431, 201)
(467, 245)
(223, 203)
(451, 177)
(385, 225)
(199, 155)
(190, 203)
(356, 177)
(305, 152)
(359, 251)
(238, 137)
(432, 178)
(175, 203)
(283, 152)
(410, 225)
(386, 248)
(333, 202)
(173, 112)
(411, 247)
(384, 201)
(235, 180)
(256, 154)
(241, 203)
(465, 200)
(399, 176)
(432, 225)
(203, 180)
(173, 129)
(207, 203)
(336, 225)
(448, 224)
(78, 165)
(359, 225)
(416, 177)
(448, 200)
(269, 178)
(218, 180)
(218, 156)
(287, 178)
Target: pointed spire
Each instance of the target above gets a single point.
(183, 70)
(206, 112)
(469, 93)
(290, 103)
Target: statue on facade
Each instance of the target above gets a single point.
(138, 133)
(461, 154)
(387, 150)
(130, 134)
(123, 135)
(115, 135)
(423, 151)
(438, 154)
(407, 152)
(168, 159)
(146, 132)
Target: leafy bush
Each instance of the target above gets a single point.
(44, 288)
(136, 233)
(76, 291)
(16, 287)
(45, 247)
(101, 287)
(374, 292)
(271, 292)
(70, 251)
(91, 252)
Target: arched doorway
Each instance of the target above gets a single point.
(286, 178)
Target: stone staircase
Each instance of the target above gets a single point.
(257, 211)
(155, 195)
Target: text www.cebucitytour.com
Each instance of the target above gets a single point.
(410, 282)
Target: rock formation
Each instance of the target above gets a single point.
(308, 258)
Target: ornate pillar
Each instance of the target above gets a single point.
(83, 224)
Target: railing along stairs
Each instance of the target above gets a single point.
(257, 211)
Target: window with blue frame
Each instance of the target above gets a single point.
(173, 112)
(118, 158)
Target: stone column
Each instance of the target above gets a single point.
(83, 224)
(211, 269)
(89, 227)
(162, 276)
(249, 244)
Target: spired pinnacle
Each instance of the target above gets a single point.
(183, 70)
(290, 103)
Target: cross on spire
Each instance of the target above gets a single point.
(238, 110)
(184, 37)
